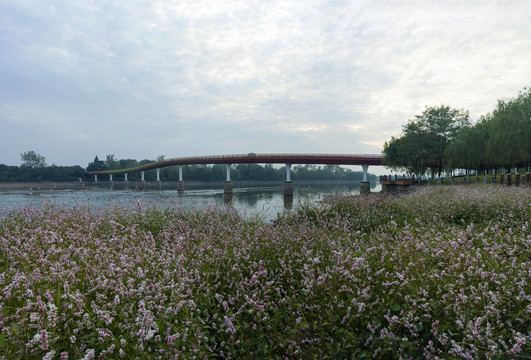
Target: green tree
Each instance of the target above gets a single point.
(31, 159)
(96, 165)
(441, 125)
(408, 153)
(467, 150)
(425, 139)
(509, 128)
(111, 162)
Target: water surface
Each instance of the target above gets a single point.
(263, 201)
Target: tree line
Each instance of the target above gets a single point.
(443, 138)
(34, 168)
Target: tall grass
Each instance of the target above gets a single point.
(442, 273)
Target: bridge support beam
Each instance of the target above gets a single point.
(159, 183)
(365, 169)
(227, 169)
(365, 185)
(95, 179)
(126, 185)
(111, 183)
(288, 184)
(288, 172)
(180, 184)
(143, 186)
(227, 189)
(288, 188)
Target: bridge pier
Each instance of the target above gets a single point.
(159, 183)
(288, 188)
(126, 182)
(365, 185)
(288, 184)
(180, 184)
(227, 189)
(143, 181)
(111, 183)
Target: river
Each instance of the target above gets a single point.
(265, 202)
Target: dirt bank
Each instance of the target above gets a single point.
(44, 185)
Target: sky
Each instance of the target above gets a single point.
(141, 79)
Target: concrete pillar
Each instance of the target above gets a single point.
(365, 187)
(365, 168)
(126, 185)
(159, 183)
(96, 178)
(180, 184)
(227, 168)
(143, 186)
(288, 188)
(227, 189)
(111, 183)
(288, 184)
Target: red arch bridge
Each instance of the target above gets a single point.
(288, 159)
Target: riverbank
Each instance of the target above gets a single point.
(43, 185)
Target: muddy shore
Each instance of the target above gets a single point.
(43, 185)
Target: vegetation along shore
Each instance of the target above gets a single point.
(442, 273)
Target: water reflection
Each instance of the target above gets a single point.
(227, 199)
(288, 202)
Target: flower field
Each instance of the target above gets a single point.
(443, 273)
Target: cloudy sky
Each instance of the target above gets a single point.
(139, 79)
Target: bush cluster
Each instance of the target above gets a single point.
(442, 273)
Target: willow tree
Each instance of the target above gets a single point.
(467, 150)
(509, 126)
